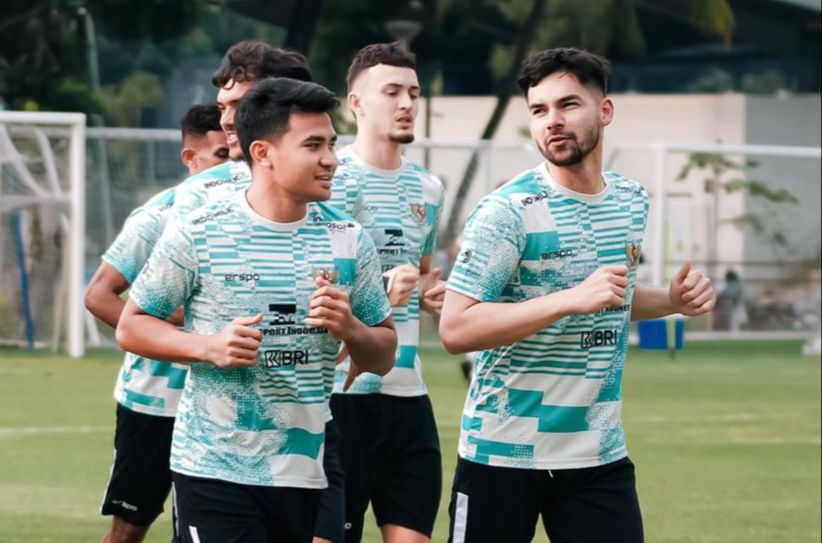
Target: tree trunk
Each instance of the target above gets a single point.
(504, 90)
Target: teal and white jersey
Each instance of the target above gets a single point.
(552, 400)
(400, 209)
(143, 385)
(262, 425)
(216, 183)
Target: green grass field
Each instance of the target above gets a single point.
(726, 439)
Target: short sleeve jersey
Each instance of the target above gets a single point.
(400, 209)
(143, 385)
(552, 400)
(261, 425)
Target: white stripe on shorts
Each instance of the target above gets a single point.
(195, 537)
(460, 518)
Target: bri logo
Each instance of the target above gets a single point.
(598, 338)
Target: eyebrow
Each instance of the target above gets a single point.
(320, 139)
(400, 86)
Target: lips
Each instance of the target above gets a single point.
(558, 139)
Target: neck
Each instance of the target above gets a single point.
(270, 201)
(585, 177)
(381, 153)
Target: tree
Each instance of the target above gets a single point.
(608, 27)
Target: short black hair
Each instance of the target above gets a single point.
(199, 120)
(392, 54)
(264, 110)
(589, 68)
(252, 60)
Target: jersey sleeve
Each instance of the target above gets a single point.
(433, 212)
(491, 250)
(368, 300)
(133, 245)
(170, 275)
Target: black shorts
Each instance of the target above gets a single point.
(491, 504)
(331, 515)
(215, 511)
(390, 452)
(140, 477)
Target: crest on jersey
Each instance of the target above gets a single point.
(633, 250)
(329, 273)
(418, 211)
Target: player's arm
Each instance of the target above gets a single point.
(153, 337)
(690, 293)
(102, 297)
(432, 288)
(468, 324)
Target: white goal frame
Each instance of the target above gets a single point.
(72, 202)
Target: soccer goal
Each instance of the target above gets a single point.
(42, 230)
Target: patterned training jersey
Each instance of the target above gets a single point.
(551, 400)
(216, 183)
(400, 209)
(262, 425)
(143, 385)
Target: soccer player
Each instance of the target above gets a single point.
(271, 283)
(204, 142)
(554, 252)
(147, 391)
(242, 66)
(390, 447)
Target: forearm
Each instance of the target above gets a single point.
(486, 325)
(158, 339)
(372, 348)
(104, 304)
(650, 303)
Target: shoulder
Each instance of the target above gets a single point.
(625, 186)
(209, 213)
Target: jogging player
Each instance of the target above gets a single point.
(147, 391)
(271, 283)
(390, 447)
(544, 286)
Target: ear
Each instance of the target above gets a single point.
(261, 153)
(354, 103)
(189, 157)
(606, 111)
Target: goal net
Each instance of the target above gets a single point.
(42, 230)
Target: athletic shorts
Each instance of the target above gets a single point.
(215, 511)
(391, 457)
(491, 504)
(331, 515)
(140, 477)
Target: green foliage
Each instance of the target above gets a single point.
(717, 168)
(713, 17)
(768, 82)
(124, 103)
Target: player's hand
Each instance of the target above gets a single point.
(602, 289)
(690, 292)
(432, 291)
(354, 371)
(402, 281)
(236, 346)
(330, 309)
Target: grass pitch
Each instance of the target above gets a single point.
(726, 439)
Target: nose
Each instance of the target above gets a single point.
(405, 101)
(554, 119)
(328, 159)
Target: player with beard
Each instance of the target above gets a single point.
(555, 251)
(389, 442)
